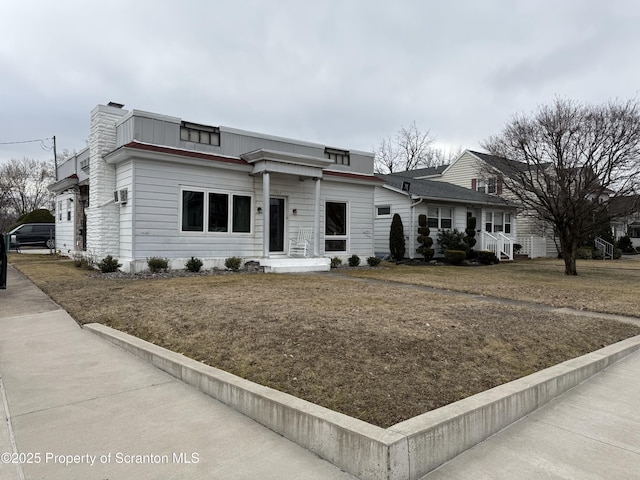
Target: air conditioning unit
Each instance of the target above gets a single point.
(120, 196)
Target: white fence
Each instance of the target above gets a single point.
(534, 247)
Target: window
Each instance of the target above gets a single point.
(341, 157)
(488, 224)
(487, 185)
(69, 209)
(335, 232)
(497, 222)
(221, 211)
(440, 217)
(191, 132)
(60, 211)
(218, 212)
(383, 210)
(192, 211)
(241, 214)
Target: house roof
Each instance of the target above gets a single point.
(435, 190)
(425, 172)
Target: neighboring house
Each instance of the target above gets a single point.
(626, 224)
(467, 171)
(446, 206)
(151, 185)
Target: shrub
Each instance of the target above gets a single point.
(470, 233)
(158, 264)
(452, 240)
(354, 260)
(516, 248)
(193, 265)
(109, 264)
(373, 261)
(424, 239)
(584, 253)
(36, 216)
(597, 254)
(625, 244)
(396, 238)
(617, 253)
(233, 263)
(336, 262)
(82, 262)
(455, 257)
(486, 257)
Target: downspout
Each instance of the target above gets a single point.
(412, 235)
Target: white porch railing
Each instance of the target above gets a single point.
(534, 247)
(605, 247)
(497, 243)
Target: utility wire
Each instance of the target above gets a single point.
(41, 140)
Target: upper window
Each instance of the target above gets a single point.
(487, 185)
(341, 157)
(223, 212)
(335, 231)
(192, 132)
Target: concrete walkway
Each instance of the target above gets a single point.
(78, 407)
(590, 433)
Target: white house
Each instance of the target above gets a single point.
(151, 185)
(468, 171)
(447, 207)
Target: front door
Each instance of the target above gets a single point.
(276, 224)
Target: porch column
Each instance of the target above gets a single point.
(316, 219)
(266, 212)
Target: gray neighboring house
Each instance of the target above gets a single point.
(153, 185)
(447, 206)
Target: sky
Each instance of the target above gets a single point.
(343, 73)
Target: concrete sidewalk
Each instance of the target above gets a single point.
(79, 408)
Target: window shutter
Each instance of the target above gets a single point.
(474, 184)
(499, 186)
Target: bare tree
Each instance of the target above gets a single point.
(567, 161)
(23, 185)
(408, 150)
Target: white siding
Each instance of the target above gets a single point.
(461, 172)
(124, 180)
(157, 231)
(400, 204)
(359, 199)
(65, 229)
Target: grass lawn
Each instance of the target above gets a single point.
(380, 352)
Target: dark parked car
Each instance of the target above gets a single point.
(33, 234)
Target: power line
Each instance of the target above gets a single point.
(41, 140)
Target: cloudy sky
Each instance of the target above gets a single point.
(345, 73)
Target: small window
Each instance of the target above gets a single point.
(341, 157)
(60, 211)
(507, 223)
(191, 132)
(383, 210)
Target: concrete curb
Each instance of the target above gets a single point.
(407, 450)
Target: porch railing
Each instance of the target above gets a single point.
(497, 243)
(605, 247)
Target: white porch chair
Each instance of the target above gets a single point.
(302, 244)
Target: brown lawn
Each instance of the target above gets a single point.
(381, 352)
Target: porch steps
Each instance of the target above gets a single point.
(295, 265)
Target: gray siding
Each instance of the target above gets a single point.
(124, 180)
